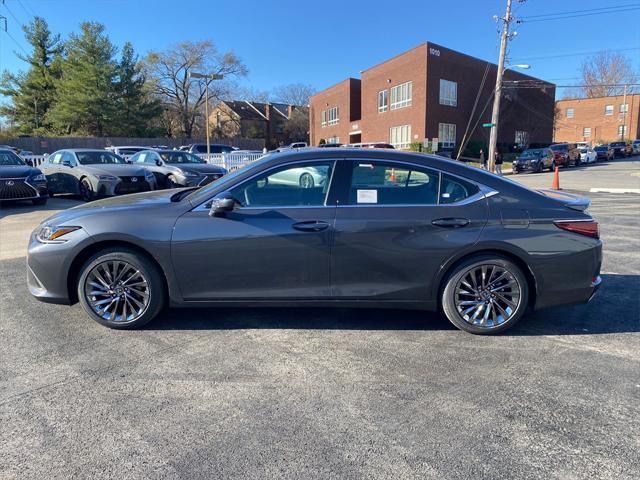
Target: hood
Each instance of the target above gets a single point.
(17, 171)
(203, 168)
(117, 169)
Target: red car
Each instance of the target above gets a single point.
(565, 154)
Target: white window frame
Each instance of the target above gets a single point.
(608, 110)
(448, 93)
(569, 115)
(333, 117)
(622, 131)
(323, 118)
(447, 135)
(400, 136)
(401, 95)
(383, 101)
(624, 108)
(586, 132)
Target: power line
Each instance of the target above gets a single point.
(584, 10)
(576, 54)
(16, 42)
(524, 20)
(28, 10)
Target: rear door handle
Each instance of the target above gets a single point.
(311, 226)
(451, 222)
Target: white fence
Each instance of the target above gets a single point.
(231, 161)
(35, 160)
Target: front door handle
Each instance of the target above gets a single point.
(311, 226)
(451, 222)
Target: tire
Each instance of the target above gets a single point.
(553, 166)
(306, 180)
(39, 201)
(514, 288)
(86, 190)
(136, 270)
(539, 168)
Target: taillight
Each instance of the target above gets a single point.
(586, 227)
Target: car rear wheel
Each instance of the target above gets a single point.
(86, 190)
(485, 294)
(120, 288)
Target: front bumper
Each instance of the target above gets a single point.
(124, 186)
(16, 189)
(524, 167)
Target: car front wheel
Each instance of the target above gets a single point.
(86, 190)
(121, 288)
(485, 294)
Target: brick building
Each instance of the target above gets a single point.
(602, 119)
(429, 92)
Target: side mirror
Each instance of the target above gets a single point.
(67, 163)
(222, 204)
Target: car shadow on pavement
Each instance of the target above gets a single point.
(615, 309)
(25, 207)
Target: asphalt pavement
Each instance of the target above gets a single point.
(326, 393)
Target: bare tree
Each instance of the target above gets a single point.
(604, 69)
(293, 94)
(169, 72)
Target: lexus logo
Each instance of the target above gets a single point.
(10, 183)
(134, 179)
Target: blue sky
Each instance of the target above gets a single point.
(322, 42)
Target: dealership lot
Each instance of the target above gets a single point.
(317, 393)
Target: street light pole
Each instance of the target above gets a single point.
(207, 77)
(495, 115)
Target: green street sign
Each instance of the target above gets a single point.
(488, 125)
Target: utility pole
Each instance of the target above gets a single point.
(624, 112)
(207, 77)
(495, 115)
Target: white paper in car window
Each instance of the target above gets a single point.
(367, 196)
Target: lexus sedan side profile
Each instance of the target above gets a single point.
(174, 168)
(94, 173)
(383, 229)
(19, 181)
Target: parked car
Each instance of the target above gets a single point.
(297, 145)
(26, 153)
(587, 155)
(94, 173)
(565, 154)
(620, 149)
(329, 145)
(200, 148)
(635, 147)
(370, 145)
(126, 151)
(173, 168)
(383, 229)
(604, 152)
(19, 181)
(534, 160)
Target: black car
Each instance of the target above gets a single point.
(534, 160)
(174, 168)
(19, 181)
(620, 149)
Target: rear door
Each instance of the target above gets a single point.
(396, 225)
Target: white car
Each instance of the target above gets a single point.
(635, 147)
(587, 155)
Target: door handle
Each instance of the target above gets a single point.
(451, 222)
(311, 226)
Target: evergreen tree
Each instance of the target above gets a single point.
(86, 99)
(32, 93)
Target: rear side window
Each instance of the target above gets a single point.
(392, 184)
(454, 189)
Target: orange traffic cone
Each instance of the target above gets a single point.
(392, 177)
(556, 180)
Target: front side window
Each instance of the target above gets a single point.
(383, 100)
(400, 137)
(139, 157)
(305, 184)
(447, 134)
(381, 183)
(569, 112)
(608, 110)
(332, 116)
(448, 93)
(401, 95)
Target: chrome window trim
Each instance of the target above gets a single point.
(203, 208)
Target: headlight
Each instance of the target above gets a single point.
(41, 177)
(107, 178)
(49, 234)
(187, 173)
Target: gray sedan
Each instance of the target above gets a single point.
(173, 168)
(382, 229)
(94, 173)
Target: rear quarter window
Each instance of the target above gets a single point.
(454, 189)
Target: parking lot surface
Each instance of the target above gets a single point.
(321, 393)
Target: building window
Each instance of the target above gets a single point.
(447, 135)
(400, 137)
(624, 108)
(586, 132)
(622, 131)
(383, 100)
(569, 112)
(332, 116)
(608, 109)
(522, 138)
(323, 121)
(448, 93)
(401, 95)
(333, 139)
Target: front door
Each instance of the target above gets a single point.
(398, 225)
(274, 245)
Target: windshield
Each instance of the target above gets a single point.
(617, 144)
(8, 158)
(582, 150)
(180, 157)
(98, 158)
(531, 154)
(558, 148)
(600, 149)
